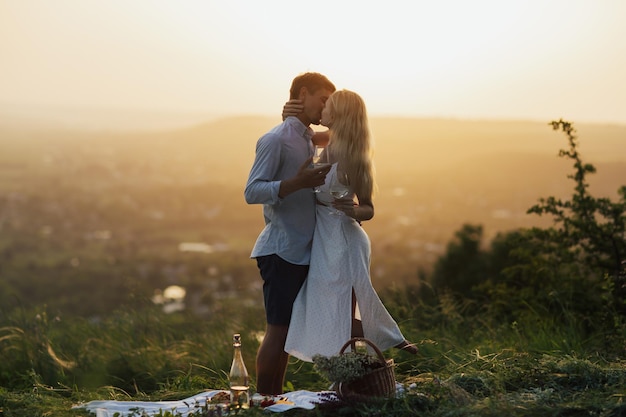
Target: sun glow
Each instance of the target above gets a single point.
(481, 59)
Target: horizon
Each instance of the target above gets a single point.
(137, 120)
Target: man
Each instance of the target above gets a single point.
(282, 180)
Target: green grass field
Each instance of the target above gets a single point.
(51, 364)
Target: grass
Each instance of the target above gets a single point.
(504, 383)
(49, 365)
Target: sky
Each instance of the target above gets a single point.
(478, 59)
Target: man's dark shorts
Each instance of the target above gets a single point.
(281, 282)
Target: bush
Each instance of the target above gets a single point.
(573, 273)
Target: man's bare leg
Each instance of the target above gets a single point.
(271, 361)
(279, 377)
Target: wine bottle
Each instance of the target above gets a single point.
(238, 377)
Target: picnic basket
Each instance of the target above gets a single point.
(380, 382)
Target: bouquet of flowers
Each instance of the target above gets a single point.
(358, 374)
(346, 367)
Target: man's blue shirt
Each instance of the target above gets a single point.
(289, 221)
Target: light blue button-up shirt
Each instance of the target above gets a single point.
(290, 221)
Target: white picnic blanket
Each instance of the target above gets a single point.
(187, 406)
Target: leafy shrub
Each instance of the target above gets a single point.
(571, 275)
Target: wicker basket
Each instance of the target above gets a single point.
(381, 382)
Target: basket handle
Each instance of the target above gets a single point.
(352, 343)
(340, 390)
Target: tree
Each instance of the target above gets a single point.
(592, 228)
(573, 272)
(463, 265)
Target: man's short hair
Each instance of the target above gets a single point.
(313, 81)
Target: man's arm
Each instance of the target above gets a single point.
(321, 138)
(262, 188)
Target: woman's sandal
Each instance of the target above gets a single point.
(408, 347)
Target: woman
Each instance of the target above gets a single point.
(338, 287)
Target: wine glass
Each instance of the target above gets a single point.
(317, 156)
(320, 160)
(339, 188)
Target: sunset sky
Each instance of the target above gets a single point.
(526, 59)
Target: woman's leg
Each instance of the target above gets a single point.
(357, 325)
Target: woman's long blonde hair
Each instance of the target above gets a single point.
(350, 140)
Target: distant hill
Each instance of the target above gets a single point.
(111, 200)
(414, 153)
(433, 174)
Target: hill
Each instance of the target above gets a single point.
(150, 191)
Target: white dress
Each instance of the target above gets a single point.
(340, 261)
